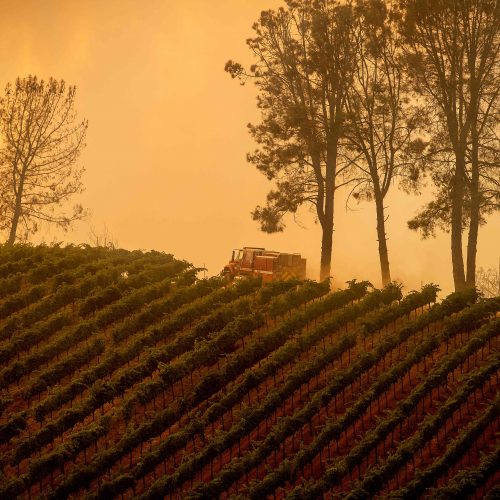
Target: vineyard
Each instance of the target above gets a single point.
(124, 375)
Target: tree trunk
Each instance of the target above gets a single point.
(17, 209)
(326, 250)
(456, 224)
(474, 212)
(382, 240)
(327, 226)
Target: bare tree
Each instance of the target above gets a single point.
(304, 62)
(42, 140)
(488, 281)
(103, 238)
(454, 55)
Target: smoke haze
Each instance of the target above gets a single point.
(167, 137)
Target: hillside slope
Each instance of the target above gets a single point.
(123, 375)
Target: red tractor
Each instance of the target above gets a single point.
(272, 266)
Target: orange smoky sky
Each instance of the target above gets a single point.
(167, 139)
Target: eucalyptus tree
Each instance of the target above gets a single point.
(453, 56)
(304, 62)
(41, 143)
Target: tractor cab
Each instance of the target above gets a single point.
(241, 263)
(237, 255)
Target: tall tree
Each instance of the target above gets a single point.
(42, 140)
(382, 125)
(304, 64)
(484, 162)
(453, 56)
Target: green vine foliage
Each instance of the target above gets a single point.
(124, 374)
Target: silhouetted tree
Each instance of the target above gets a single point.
(42, 141)
(381, 124)
(439, 155)
(304, 64)
(453, 57)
